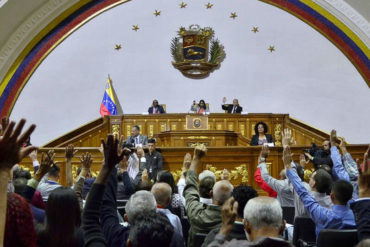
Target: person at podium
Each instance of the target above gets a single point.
(260, 137)
(155, 108)
(136, 138)
(201, 108)
(234, 108)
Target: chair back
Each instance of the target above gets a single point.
(199, 239)
(304, 229)
(288, 214)
(337, 238)
(164, 107)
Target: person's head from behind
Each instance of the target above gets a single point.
(21, 173)
(150, 230)
(263, 217)
(202, 104)
(135, 131)
(142, 202)
(167, 177)
(221, 191)
(60, 229)
(151, 145)
(242, 194)
(341, 192)
(19, 185)
(235, 102)
(320, 181)
(54, 173)
(260, 128)
(162, 193)
(155, 103)
(205, 186)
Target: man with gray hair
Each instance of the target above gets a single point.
(203, 218)
(142, 202)
(263, 224)
(162, 193)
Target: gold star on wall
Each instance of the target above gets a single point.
(255, 29)
(233, 15)
(157, 13)
(209, 5)
(118, 47)
(183, 5)
(135, 27)
(271, 48)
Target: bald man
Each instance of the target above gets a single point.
(162, 193)
(203, 218)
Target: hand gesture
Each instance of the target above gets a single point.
(287, 157)
(33, 155)
(364, 179)
(86, 161)
(200, 150)
(264, 151)
(4, 124)
(47, 161)
(342, 145)
(333, 138)
(110, 148)
(145, 175)
(224, 100)
(287, 138)
(225, 174)
(70, 152)
(302, 160)
(11, 151)
(229, 213)
(187, 162)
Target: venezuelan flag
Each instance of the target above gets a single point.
(108, 105)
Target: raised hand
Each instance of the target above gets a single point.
(47, 161)
(287, 157)
(11, 151)
(187, 162)
(70, 152)
(333, 138)
(86, 161)
(4, 124)
(200, 150)
(225, 174)
(110, 148)
(264, 151)
(229, 213)
(364, 178)
(33, 155)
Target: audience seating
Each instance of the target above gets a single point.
(304, 230)
(337, 238)
(288, 214)
(199, 239)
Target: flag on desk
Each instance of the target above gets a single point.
(110, 104)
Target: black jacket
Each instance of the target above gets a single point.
(160, 109)
(154, 164)
(229, 108)
(254, 140)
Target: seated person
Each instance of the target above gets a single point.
(200, 108)
(234, 108)
(260, 137)
(137, 138)
(155, 108)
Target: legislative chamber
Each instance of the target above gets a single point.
(227, 137)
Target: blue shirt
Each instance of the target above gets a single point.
(338, 217)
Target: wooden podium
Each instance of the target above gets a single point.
(196, 122)
(188, 138)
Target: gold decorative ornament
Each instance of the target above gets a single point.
(118, 47)
(192, 56)
(242, 171)
(271, 48)
(255, 29)
(157, 13)
(183, 5)
(233, 15)
(209, 5)
(277, 134)
(135, 27)
(116, 130)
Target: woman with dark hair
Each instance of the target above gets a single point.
(200, 108)
(63, 220)
(176, 206)
(260, 137)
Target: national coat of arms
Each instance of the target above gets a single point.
(192, 56)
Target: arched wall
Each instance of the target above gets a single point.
(322, 21)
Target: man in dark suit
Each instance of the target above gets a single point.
(154, 161)
(234, 108)
(155, 108)
(136, 138)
